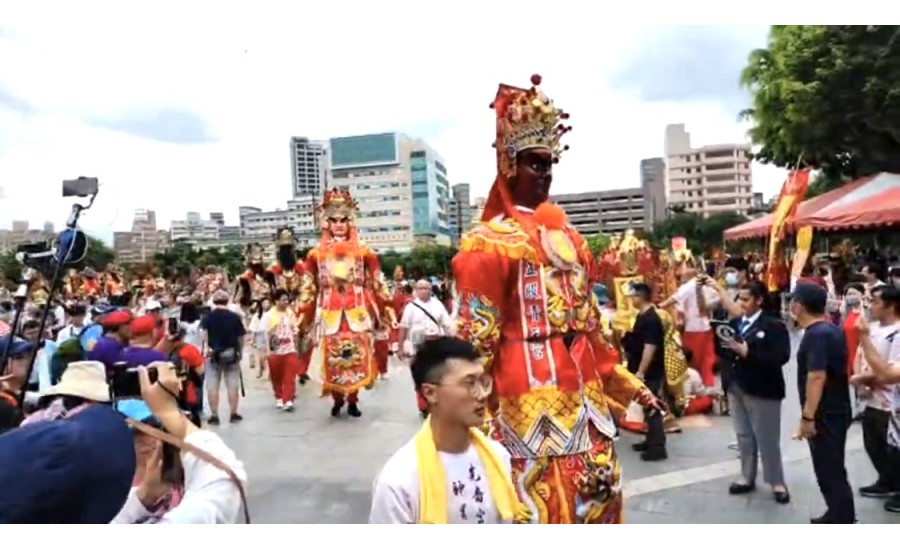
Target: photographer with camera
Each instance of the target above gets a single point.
(186, 355)
(212, 490)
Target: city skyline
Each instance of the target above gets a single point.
(219, 141)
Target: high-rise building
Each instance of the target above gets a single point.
(144, 240)
(460, 219)
(713, 179)
(218, 218)
(309, 167)
(612, 211)
(653, 182)
(400, 184)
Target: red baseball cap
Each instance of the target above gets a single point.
(143, 326)
(115, 319)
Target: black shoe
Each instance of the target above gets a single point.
(741, 488)
(654, 455)
(821, 520)
(892, 504)
(213, 420)
(876, 490)
(782, 497)
(353, 410)
(639, 447)
(235, 418)
(304, 378)
(336, 409)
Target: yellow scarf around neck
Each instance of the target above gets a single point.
(433, 481)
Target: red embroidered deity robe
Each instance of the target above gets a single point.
(550, 405)
(346, 282)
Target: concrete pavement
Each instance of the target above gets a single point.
(307, 467)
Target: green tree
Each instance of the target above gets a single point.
(701, 233)
(597, 244)
(10, 268)
(97, 256)
(828, 97)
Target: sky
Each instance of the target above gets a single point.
(193, 110)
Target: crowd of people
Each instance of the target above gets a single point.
(523, 383)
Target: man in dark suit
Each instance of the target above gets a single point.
(760, 348)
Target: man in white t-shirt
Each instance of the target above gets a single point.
(425, 318)
(882, 344)
(448, 371)
(695, 303)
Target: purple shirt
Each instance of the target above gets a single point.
(141, 357)
(107, 350)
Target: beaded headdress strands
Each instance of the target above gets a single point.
(526, 119)
(337, 203)
(285, 237)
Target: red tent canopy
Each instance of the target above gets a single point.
(876, 202)
(760, 227)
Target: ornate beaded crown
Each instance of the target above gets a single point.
(285, 237)
(338, 203)
(526, 119)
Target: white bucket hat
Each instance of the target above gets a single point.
(84, 379)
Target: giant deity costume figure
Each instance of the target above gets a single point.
(534, 320)
(256, 283)
(287, 270)
(343, 297)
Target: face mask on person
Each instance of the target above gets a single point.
(852, 301)
(731, 279)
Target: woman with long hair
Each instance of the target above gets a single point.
(258, 331)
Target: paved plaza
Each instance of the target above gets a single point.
(307, 467)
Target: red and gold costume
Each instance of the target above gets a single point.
(523, 283)
(111, 281)
(90, 285)
(399, 299)
(287, 271)
(343, 277)
(255, 284)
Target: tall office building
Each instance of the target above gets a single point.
(713, 179)
(653, 182)
(309, 167)
(610, 211)
(460, 219)
(400, 184)
(144, 240)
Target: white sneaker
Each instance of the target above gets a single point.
(279, 404)
(288, 406)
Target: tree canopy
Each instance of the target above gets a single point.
(702, 234)
(97, 257)
(423, 261)
(827, 97)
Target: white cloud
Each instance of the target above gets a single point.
(259, 75)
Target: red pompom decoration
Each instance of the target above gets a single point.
(536, 80)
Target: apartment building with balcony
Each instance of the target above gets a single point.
(258, 225)
(712, 179)
(607, 212)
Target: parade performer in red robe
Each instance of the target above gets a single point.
(344, 279)
(399, 298)
(523, 280)
(256, 283)
(287, 273)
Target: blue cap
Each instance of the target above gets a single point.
(601, 293)
(17, 346)
(136, 410)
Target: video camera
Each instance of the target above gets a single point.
(125, 383)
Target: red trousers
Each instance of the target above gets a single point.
(382, 352)
(339, 398)
(703, 352)
(701, 404)
(283, 371)
(304, 360)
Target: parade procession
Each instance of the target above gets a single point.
(387, 350)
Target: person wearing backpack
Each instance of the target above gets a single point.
(424, 318)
